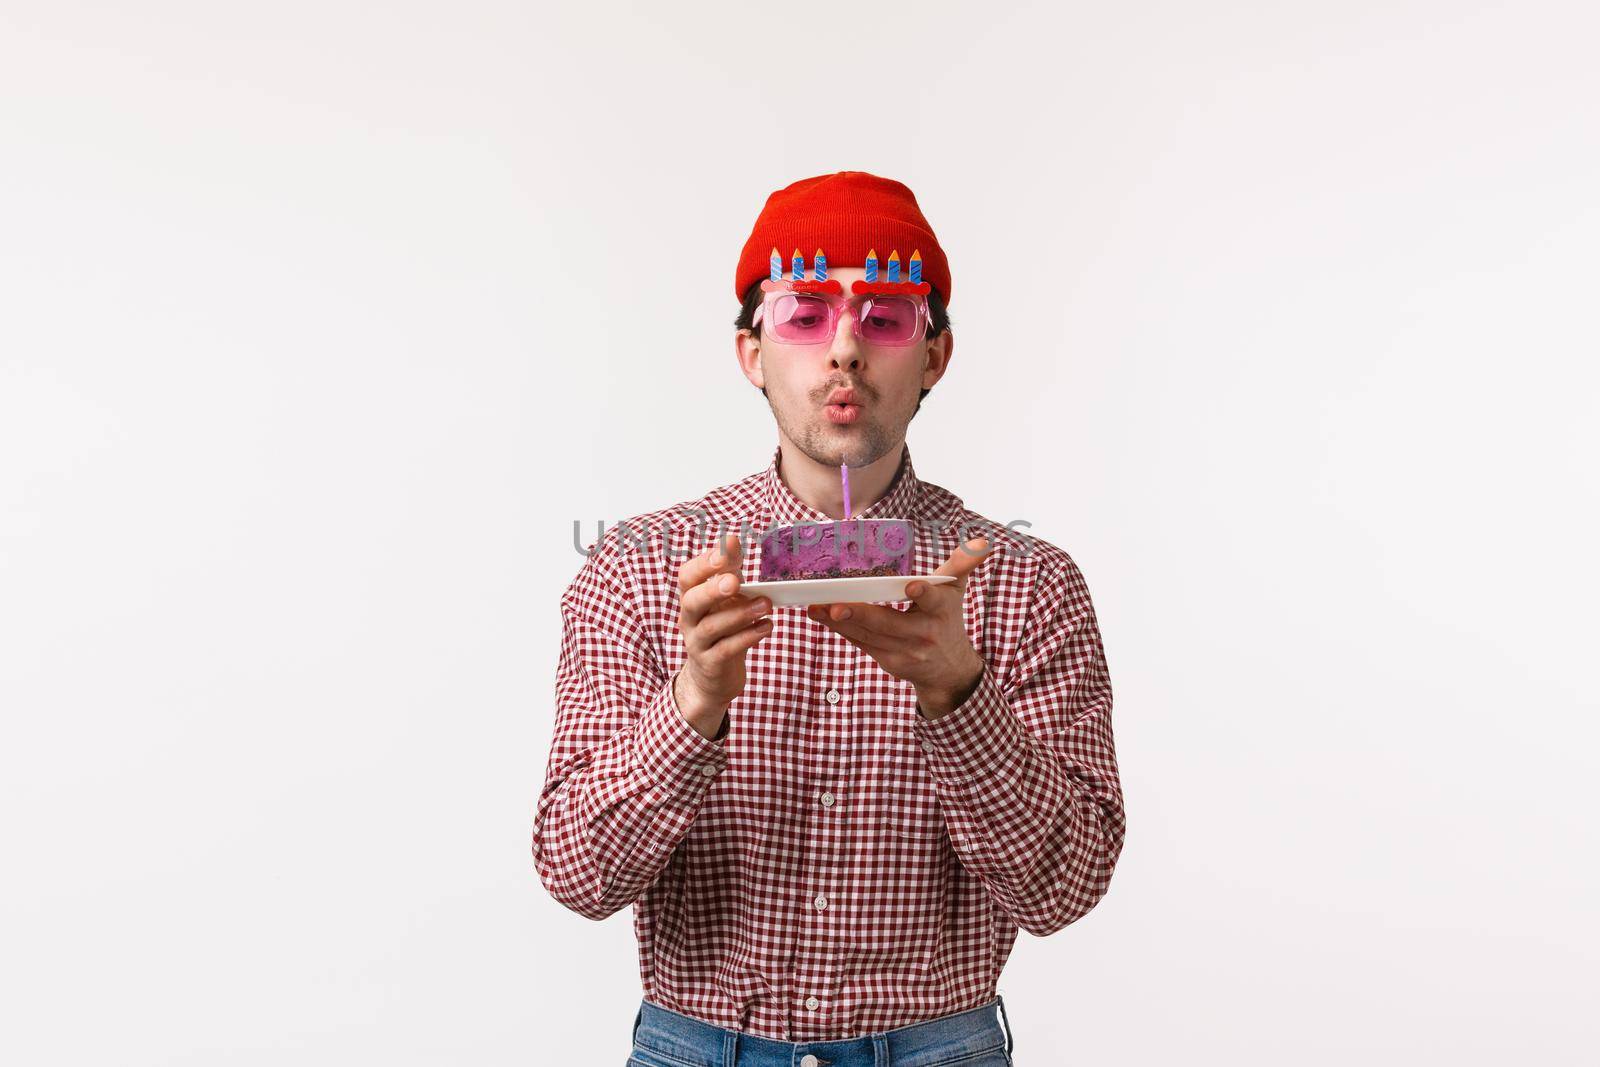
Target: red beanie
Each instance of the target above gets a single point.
(845, 214)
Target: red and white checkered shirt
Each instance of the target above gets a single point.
(834, 864)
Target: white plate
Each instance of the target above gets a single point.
(839, 590)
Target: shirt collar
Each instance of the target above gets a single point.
(900, 502)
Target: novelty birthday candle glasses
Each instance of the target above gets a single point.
(869, 284)
(803, 311)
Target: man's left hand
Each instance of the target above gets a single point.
(925, 644)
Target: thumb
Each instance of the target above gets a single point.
(729, 551)
(964, 560)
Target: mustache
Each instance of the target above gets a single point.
(865, 392)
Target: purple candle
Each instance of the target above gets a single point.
(844, 476)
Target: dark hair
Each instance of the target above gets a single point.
(938, 320)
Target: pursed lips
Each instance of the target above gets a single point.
(843, 406)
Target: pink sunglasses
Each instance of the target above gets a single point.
(889, 320)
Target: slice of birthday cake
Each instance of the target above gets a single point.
(841, 548)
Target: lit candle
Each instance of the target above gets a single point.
(819, 266)
(872, 265)
(916, 267)
(799, 266)
(776, 265)
(844, 476)
(894, 266)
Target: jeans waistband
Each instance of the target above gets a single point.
(693, 1042)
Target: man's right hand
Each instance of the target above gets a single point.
(719, 626)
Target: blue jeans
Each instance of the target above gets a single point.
(971, 1038)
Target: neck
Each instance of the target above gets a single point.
(820, 486)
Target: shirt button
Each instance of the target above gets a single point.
(927, 746)
(833, 696)
(809, 1060)
(827, 800)
(821, 902)
(811, 1003)
(707, 769)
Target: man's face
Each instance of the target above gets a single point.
(805, 383)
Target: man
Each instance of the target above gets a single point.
(831, 821)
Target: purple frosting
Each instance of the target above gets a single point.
(836, 549)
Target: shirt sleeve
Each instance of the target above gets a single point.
(1026, 770)
(627, 773)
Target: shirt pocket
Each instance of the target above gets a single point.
(910, 808)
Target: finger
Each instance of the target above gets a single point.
(710, 595)
(929, 597)
(889, 658)
(725, 557)
(729, 619)
(858, 634)
(737, 644)
(890, 622)
(965, 559)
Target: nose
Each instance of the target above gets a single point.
(845, 352)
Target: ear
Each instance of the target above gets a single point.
(747, 349)
(937, 359)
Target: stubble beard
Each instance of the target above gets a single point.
(864, 441)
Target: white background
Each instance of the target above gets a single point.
(320, 323)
